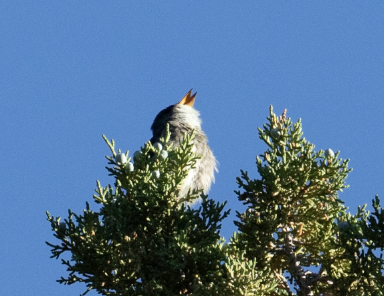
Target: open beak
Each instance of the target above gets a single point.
(188, 99)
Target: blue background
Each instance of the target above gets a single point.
(71, 71)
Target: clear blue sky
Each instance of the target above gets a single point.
(71, 71)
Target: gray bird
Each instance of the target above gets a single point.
(182, 117)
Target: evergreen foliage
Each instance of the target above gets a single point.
(295, 237)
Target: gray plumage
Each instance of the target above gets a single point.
(182, 117)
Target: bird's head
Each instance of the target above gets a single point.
(181, 117)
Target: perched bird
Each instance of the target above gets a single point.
(182, 117)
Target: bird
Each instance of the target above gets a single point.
(181, 118)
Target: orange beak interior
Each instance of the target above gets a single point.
(188, 99)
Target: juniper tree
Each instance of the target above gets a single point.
(297, 225)
(144, 240)
(295, 237)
